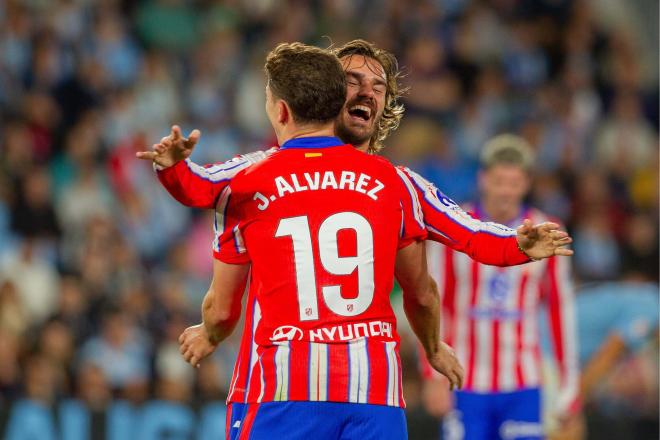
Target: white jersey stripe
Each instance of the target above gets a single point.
(217, 173)
(238, 240)
(462, 267)
(282, 372)
(323, 372)
(417, 207)
(354, 372)
(393, 375)
(530, 366)
(256, 317)
(313, 372)
(220, 212)
(363, 363)
(435, 261)
(483, 352)
(507, 337)
(390, 375)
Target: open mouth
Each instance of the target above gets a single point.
(360, 112)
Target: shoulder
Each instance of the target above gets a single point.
(269, 160)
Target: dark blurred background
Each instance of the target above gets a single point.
(100, 270)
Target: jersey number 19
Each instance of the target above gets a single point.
(298, 229)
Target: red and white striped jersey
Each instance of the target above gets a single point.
(489, 316)
(320, 223)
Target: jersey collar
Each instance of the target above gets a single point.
(312, 142)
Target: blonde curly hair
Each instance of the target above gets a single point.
(393, 112)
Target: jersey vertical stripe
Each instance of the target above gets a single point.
(318, 372)
(282, 372)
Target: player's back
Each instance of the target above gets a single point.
(321, 228)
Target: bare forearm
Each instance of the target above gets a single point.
(218, 324)
(423, 313)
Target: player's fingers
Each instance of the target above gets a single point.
(176, 133)
(548, 226)
(461, 376)
(562, 241)
(563, 252)
(188, 355)
(193, 138)
(525, 227)
(146, 155)
(194, 360)
(556, 235)
(453, 380)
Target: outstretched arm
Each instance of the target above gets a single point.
(422, 307)
(486, 242)
(191, 184)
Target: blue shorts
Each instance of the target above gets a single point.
(322, 420)
(507, 416)
(235, 413)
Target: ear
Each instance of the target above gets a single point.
(283, 112)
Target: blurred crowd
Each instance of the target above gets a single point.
(100, 270)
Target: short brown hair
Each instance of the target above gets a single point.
(508, 149)
(310, 80)
(393, 111)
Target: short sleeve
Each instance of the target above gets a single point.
(228, 244)
(412, 223)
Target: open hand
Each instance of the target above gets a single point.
(445, 362)
(172, 148)
(195, 344)
(543, 240)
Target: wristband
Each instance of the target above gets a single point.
(525, 253)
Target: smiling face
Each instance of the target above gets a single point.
(365, 100)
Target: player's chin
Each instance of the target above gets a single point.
(357, 132)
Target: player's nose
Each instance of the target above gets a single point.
(366, 90)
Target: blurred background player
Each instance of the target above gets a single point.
(298, 223)
(490, 317)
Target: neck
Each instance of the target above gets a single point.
(364, 146)
(305, 131)
(495, 212)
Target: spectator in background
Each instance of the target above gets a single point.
(625, 141)
(121, 351)
(35, 280)
(33, 214)
(10, 370)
